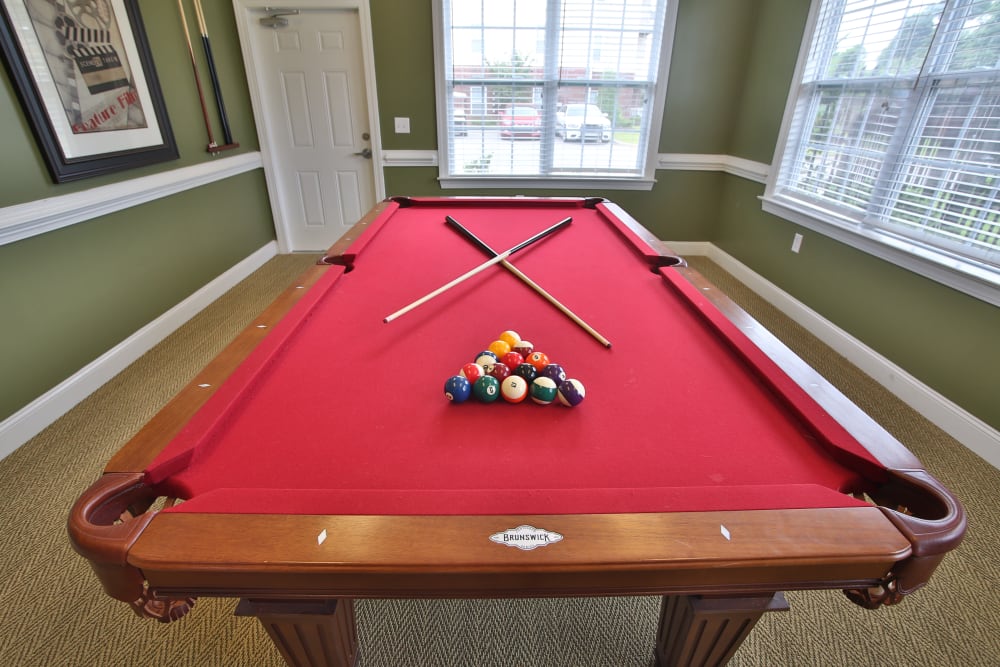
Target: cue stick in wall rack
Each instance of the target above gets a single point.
(216, 88)
(482, 267)
(528, 281)
(197, 79)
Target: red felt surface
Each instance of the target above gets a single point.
(337, 412)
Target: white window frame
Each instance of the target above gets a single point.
(644, 181)
(970, 276)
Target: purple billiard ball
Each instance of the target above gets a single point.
(554, 372)
(571, 392)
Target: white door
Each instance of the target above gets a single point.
(314, 113)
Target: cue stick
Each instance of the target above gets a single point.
(214, 75)
(528, 281)
(197, 79)
(482, 267)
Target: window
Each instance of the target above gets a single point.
(892, 134)
(560, 90)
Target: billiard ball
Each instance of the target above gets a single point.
(499, 348)
(486, 352)
(514, 388)
(512, 359)
(487, 360)
(524, 348)
(554, 372)
(473, 371)
(538, 359)
(527, 371)
(486, 389)
(457, 389)
(500, 371)
(543, 390)
(571, 392)
(512, 338)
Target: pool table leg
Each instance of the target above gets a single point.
(704, 630)
(308, 633)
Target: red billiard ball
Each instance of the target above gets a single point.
(500, 371)
(524, 348)
(473, 371)
(512, 359)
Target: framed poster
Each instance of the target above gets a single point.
(85, 76)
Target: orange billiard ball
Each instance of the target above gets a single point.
(538, 359)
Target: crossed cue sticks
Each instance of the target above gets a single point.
(501, 258)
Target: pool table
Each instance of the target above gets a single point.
(317, 459)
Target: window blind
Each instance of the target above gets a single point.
(550, 89)
(896, 125)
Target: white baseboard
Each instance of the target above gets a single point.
(971, 431)
(27, 422)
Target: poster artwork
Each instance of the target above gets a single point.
(86, 57)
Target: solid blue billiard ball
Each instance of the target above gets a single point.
(457, 389)
(571, 392)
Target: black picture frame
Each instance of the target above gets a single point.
(85, 76)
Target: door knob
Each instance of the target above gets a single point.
(366, 153)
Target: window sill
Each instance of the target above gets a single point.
(978, 280)
(545, 183)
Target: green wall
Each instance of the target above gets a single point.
(731, 70)
(69, 295)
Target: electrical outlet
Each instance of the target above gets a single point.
(796, 243)
(402, 125)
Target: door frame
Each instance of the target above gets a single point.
(247, 13)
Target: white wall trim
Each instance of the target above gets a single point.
(22, 221)
(965, 427)
(27, 422)
(730, 164)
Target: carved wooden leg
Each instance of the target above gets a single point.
(696, 630)
(308, 633)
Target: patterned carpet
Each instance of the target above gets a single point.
(53, 613)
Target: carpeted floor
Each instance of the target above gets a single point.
(53, 613)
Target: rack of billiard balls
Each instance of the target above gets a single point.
(510, 368)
